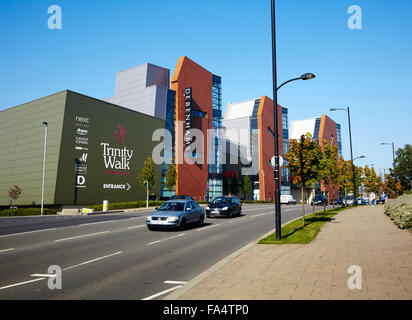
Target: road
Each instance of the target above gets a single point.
(114, 256)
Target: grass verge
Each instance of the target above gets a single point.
(295, 233)
(26, 212)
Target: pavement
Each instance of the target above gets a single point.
(362, 236)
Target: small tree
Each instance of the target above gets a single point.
(170, 178)
(247, 186)
(235, 186)
(329, 171)
(303, 159)
(147, 174)
(14, 194)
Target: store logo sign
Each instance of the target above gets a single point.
(117, 158)
(82, 132)
(82, 140)
(188, 118)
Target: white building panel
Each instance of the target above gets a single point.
(301, 127)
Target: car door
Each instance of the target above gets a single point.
(189, 212)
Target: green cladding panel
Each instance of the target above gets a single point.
(103, 149)
(22, 144)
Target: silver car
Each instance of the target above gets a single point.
(176, 214)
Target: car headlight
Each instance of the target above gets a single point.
(173, 219)
(225, 208)
(149, 219)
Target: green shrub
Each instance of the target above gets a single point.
(400, 211)
(26, 212)
(126, 205)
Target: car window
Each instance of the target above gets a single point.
(220, 200)
(189, 205)
(194, 205)
(171, 206)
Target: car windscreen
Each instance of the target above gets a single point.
(220, 200)
(349, 198)
(172, 206)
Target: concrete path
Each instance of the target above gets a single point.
(363, 237)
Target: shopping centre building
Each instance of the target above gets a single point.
(96, 148)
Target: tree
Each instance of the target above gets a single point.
(14, 193)
(235, 186)
(246, 186)
(303, 159)
(147, 174)
(328, 167)
(170, 178)
(372, 181)
(389, 186)
(402, 168)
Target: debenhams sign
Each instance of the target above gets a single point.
(188, 118)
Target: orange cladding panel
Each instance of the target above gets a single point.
(192, 178)
(266, 147)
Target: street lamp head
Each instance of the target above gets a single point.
(332, 109)
(307, 76)
(45, 123)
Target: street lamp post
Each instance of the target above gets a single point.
(393, 157)
(147, 193)
(44, 166)
(276, 135)
(305, 76)
(351, 153)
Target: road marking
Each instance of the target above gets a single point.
(259, 215)
(180, 235)
(88, 224)
(162, 293)
(20, 284)
(135, 227)
(47, 275)
(175, 282)
(209, 227)
(17, 234)
(5, 250)
(83, 236)
(94, 260)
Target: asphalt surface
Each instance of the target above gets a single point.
(114, 256)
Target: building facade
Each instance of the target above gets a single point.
(246, 125)
(95, 150)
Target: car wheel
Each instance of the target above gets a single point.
(201, 220)
(230, 215)
(240, 212)
(182, 224)
(150, 228)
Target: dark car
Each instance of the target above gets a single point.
(176, 214)
(181, 197)
(224, 206)
(319, 200)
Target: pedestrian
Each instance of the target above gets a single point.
(383, 197)
(373, 197)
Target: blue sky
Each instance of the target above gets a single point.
(366, 69)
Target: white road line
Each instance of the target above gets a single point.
(88, 224)
(258, 215)
(17, 234)
(83, 236)
(47, 275)
(175, 282)
(20, 284)
(135, 227)
(94, 260)
(209, 227)
(162, 293)
(180, 235)
(5, 250)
